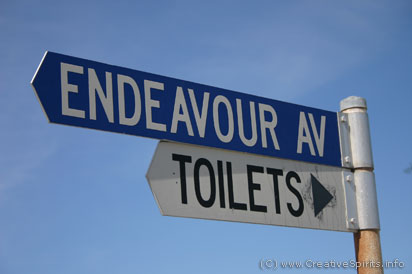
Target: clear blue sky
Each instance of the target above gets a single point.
(76, 201)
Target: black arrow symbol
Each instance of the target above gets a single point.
(321, 196)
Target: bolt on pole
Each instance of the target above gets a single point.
(367, 239)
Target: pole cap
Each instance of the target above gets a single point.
(352, 102)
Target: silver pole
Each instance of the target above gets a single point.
(367, 239)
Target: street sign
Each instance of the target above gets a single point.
(84, 93)
(207, 183)
(283, 164)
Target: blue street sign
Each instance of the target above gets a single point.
(84, 93)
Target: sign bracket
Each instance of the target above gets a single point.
(352, 221)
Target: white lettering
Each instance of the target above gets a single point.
(304, 135)
(268, 125)
(106, 100)
(150, 103)
(180, 103)
(123, 120)
(66, 88)
(252, 141)
(200, 118)
(320, 140)
(228, 137)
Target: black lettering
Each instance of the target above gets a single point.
(204, 162)
(299, 211)
(182, 159)
(232, 203)
(275, 173)
(221, 186)
(252, 186)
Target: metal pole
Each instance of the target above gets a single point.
(367, 240)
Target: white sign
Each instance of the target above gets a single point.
(208, 183)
